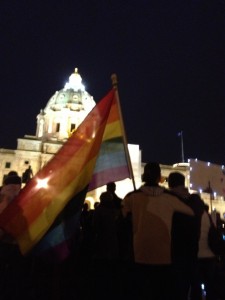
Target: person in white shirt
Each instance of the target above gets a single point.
(206, 267)
(152, 209)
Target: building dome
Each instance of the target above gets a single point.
(73, 96)
(65, 110)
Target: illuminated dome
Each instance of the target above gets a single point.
(72, 96)
(65, 110)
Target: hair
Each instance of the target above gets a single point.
(176, 179)
(12, 173)
(152, 173)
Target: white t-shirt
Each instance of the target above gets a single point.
(204, 250)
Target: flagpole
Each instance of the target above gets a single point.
(182, 146)
(180, 134)
(115, 86)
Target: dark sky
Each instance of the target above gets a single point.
(169, 57)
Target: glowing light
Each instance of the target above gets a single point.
(190, 168)
(196, 159)
(189, 160)
(202, 286)
(222, 167)
(191, 185)
(208, 164)
(75, 82)
(200, 191)
(42, 183)
(215, 194)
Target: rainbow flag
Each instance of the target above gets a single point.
(112, 164)
(37, 212)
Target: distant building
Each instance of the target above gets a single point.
(198, 174)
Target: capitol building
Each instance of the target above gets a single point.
(55, 123)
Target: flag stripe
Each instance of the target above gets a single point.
(112, 130)
(117, 161)
(114, 112)
(107, 175)
(117, 158)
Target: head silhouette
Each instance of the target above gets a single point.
(12, 178)
(111, 187)
(152, 173)
(176, 179)
(106, 199)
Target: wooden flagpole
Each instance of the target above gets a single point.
(115, 86)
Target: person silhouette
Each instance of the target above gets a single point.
(106, 248)
(185, 234)
(111, 188)
(10, 189)
(27, 175)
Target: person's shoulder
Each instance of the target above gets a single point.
(195, 197)
(196, 203)
(180, 197)
(178, 203)
(135, 192)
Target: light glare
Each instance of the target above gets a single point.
(42, 183)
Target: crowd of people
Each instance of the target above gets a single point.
(153, 244)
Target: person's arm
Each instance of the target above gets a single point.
(181, 207)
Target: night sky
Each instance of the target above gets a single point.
(169, 57)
